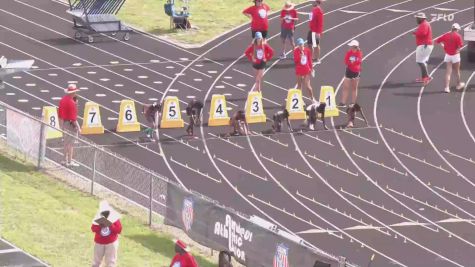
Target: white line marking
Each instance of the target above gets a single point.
(353, 12)
(11, 250)
(398, 10)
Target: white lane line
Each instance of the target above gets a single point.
(114, 62)
(36, 108)
(455, 194)
(139, 92)
(329, 163)
(77, 64)
(460, 157)
(196, 171)
(381, 164)
(462, 110)
(226, 140)
(52, 74)
(91, 72)
(190, 86)
(423, 161)
(142, 77)
(445, 9)
(30, 84)
(23, 100)
(100, 95)
(286, 166)
(318, 139)
(105, 79)
(157, 82)
(10, 94)
(241, 169)
(398, 10)
(44, 91)
(391, 130)
(353, 12)
(11, 250)
(128, 70)
(118, 85)
(360, 136)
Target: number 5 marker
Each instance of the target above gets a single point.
(171, 113)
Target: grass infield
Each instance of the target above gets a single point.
(52, 221)
(212, 17)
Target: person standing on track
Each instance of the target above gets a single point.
(353, 59)
(303, 67)
(67, 115)
(259, 53)
(152, 114)
(258, 14)
(424, 48)
(288, 16)
(452, 43)
(316, 29)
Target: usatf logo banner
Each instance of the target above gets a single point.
(281, 257)
(187, 213)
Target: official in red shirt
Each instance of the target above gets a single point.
(316, 28)
(258, 14)
(288, 17)
(353, 59)
(424, 48)
(452, 43)
(259, 53)
(67, 114)
(106, 235)
(182, 257)
(303, 66)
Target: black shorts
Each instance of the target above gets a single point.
(264, 34)
(310, 41)
(259, 66)
(351, 74)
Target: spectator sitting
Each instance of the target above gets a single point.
(182, 257)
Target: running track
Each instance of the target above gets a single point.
(401, 189)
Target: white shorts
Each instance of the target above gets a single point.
(423, 53)
(452, 58)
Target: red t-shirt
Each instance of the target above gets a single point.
(303, 61)
(259, 17)
(107, 235)
(288, 23)
(68, 110)
(424, 34)
(316, 20)
(260, 53)
(183, 260)
(353, 60)
(452, 42)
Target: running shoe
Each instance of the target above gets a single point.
(460, 86)
(282, 56)
(349, 125)
(427, 80)
(73, 164)
(341, 105)
(311, 127)
(447, 90)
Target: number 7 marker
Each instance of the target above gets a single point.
(92, 123)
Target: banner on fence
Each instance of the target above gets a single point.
(23, 134)
(221, 229)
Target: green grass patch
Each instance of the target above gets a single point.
(212, 17)
(52, 221)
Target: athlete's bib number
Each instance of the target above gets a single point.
(172, 111)
(129, 115)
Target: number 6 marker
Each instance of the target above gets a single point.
(127, 117)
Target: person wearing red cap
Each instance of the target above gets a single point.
(107, 227)
(258, 14)
(182, 257)
(288, 16)
(424, 48)
(316, 29)
(303, 66)
(452, 43)
(67, 114)
(259, 53)
(353, 59)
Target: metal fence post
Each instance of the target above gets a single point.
(41, 146)
(93, 171)
(151, 202)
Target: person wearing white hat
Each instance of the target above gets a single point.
(67, 115)
(107, 227)
(353, 59)
(303, 67)
(452, 43)
(424, 48)
(288, 17)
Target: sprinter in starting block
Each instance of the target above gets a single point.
(312, 114)
(239, 124)
(351, 111)
(278, 118)
(193, 111)
(152, 114)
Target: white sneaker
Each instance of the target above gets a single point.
(73, 164)
(282, 56)
(460, 86)
(311, 127)
(3, 62)
(447, 90)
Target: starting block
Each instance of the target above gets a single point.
(92, 123)
(218, 114)
(171, 113)
(295, 105)
(127, 117)
(254, 108)
(327, 96)
(50, 117)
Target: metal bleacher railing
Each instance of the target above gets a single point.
(26, 135)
